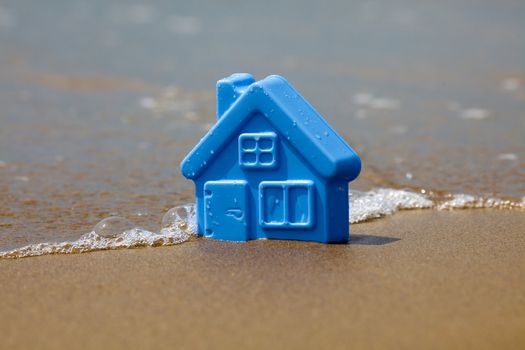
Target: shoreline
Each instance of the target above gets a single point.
(365, 206)
(417, 279)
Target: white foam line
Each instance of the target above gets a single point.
(91, 241)
(179, 223)
(466, 201)
(178, 226)
(383, 201)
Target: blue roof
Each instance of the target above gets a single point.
(292, 116)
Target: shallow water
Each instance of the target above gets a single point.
(99, 101)
(179, 223)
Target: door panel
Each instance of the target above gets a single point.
(226, 210)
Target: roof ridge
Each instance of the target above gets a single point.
(294, 118)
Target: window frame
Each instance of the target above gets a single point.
(257, 150)
(286, 187)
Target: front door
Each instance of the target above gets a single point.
(226, 210)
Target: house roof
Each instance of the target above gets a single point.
(292, 116)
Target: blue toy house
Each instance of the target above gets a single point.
(271, 167)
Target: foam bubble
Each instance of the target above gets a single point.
(466, 201)
(113, 226)
(182, 216)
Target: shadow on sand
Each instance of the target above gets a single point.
(371, 240)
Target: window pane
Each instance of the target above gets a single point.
(249, 158)
(265, 144)
(298, 205)
(266, 157)
(248, 144)
(273, 205)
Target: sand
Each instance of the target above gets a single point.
(420, 280)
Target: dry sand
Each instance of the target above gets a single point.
(417, 280)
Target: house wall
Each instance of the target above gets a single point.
(337, 211)
(328, 196)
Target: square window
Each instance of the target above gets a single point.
(258, 150)
(286, 204)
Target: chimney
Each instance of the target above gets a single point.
(230, 89)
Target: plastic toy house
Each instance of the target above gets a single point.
(271, 167)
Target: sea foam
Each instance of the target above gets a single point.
(179, 223)
(383, 201)
(466, 201)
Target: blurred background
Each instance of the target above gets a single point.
(100, 100)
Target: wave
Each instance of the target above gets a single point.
(178, 226)
(179, 223)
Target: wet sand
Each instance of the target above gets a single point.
(423, 279)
